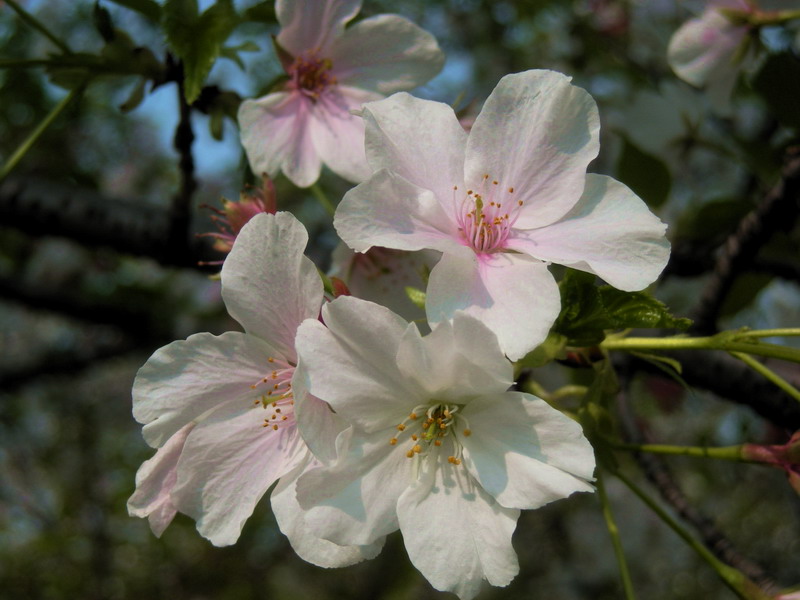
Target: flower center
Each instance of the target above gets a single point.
(311, 75)
(275, 395)
(439, 420)
(487, 215)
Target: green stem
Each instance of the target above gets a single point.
(569, 390)
(36, 24)
(36, 133)
(759, 333)
(721, 453)
(323, 199)
(733, 578)
(768, 374)
(703, 343)
(24, 63)
(616, 542)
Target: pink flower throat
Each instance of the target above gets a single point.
(311, 75)
(487, 216)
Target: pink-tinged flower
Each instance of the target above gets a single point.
(785, 456)
(711, 50)
(234, 215)
(332, 71)
(382, 275)
(500, 203)
(222, 409)
(437, 448)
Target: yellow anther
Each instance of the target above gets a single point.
(511, 190)
(413, 416)
(417, 448)
(414, 437)
(437, 442)
(494, 182)
(401, 427)
(467, 432)
(410, 454)
(393, 441)
(275, 427)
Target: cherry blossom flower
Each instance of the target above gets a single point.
(438, 447)
(500, 203)
(332, 70)
(711, 50)
(785, 456)
(222, 409)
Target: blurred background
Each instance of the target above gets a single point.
(98, 268)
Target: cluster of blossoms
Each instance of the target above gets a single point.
(367, 424)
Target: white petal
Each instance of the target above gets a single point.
(610, 233)
(228, 463)
(311, 548)
(536, 133)
(512, 294)
(268, 285)
(455, 533)
(188, 378)
(338, 135)
(311, 24)
(386, 53)
(524, 452)
(456, 361)
(388, 211)
(351, 363)
(354, 502)
(420, 140)
(154, 482)
(276, 137)
(319, 426)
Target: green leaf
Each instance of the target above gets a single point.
(197, 39)
(135, 98)
(149, 8)
(645, 174)
(638, 309)
(778, 82)
(232, 52)
(547, 351)
(102, 22)
(263, 12)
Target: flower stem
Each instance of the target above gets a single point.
(323, 199)
(721, 453)
(39, 26)
(768, 374)
(716, 342)
(733, 578)
(759, 333)
(28, 143)
(613, 531)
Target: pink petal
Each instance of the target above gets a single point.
(155, 480)
(610, 233)
(338, 135)
(386, 54)
(268, 285)
(512, 294)
(275, 135)
(536, 133)
(228, 463)
(313, 24)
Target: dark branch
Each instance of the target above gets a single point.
(778, 211)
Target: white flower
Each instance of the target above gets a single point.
(710, 51)
(222, 409)
(332, 71)
(438, 447)
(500, 203)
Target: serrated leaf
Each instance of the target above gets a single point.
(197, 39)
(583, 317)
(148, 8)
(638, 309)
(263, 12)
(232, 52)
(671, 367)
(645, 174)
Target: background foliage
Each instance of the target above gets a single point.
(98, 268)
